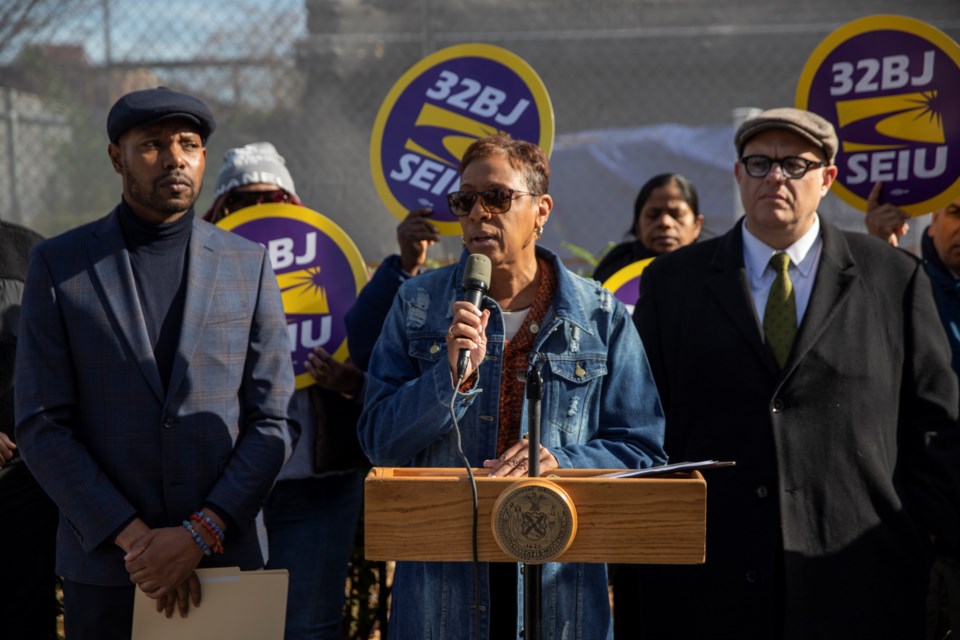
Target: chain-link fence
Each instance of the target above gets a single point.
(309, 76)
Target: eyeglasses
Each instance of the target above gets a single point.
(242, 199)
(494, 201)
(791, 166)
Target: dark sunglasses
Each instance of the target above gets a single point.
(493, 201)
(242, 199)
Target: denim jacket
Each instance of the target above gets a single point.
(600, 409)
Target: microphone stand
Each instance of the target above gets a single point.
(532, 573)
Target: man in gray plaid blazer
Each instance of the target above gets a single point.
(153, 380)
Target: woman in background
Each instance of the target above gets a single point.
(666, 216)
(312, 511)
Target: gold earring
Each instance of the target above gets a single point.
(539, 232)
(463, 241)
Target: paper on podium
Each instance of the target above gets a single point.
(240, 605)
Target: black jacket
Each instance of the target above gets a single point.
(619, 257)
(15, 245)
(846, 460)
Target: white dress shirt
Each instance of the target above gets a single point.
(804, 259)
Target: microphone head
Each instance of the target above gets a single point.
(477, 272)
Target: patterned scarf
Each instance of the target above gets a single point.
(515, 359)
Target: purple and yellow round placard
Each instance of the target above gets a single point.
(625, 283)
(891, 87)
(437, 108)
(318, 268)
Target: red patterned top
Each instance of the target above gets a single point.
(515, 359)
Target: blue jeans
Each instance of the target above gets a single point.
(311, 525)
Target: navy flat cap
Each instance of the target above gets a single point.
(152, 105)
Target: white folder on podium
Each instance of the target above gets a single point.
(240, 605)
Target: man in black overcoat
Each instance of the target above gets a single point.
(829, 384)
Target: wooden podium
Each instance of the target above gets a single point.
(426, 514)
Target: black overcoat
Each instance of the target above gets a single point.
(846, 460)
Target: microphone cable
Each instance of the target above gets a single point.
(473, 491)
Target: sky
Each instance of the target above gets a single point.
(204, 29)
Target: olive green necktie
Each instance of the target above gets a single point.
(780, 316)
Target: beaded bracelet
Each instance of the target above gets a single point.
(207, 523)
(196, 537)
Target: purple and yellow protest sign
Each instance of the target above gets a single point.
(437, 108)
(891, 87)
(625, 283)
(318, 268)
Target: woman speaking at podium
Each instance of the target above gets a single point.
(600, 406)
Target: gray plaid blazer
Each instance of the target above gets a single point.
(94, 424)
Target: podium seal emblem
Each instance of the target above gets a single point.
(534, 521)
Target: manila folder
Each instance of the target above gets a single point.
(234, 604)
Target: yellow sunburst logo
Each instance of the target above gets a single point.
(302, 292)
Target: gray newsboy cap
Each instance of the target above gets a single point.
(804, 123)
(152, 105)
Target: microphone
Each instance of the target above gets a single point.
(476, 280)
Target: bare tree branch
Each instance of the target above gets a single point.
(19, 19)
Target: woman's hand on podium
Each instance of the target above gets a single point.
(515, 462)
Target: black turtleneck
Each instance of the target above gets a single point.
(158, 255)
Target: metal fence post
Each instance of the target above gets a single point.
(11, 117)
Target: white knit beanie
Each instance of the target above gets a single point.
(258, 162)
